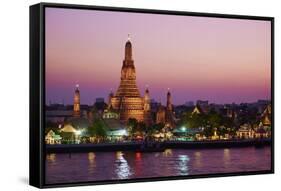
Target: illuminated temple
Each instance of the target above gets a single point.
(127, 101)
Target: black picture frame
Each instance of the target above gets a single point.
(37, 92)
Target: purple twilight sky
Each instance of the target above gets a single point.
(215, 59)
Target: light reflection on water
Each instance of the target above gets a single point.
(167, 153)
(226, 157)
(95, 166)
(92, 162)
(182, 165)
(51, 158)
(197, 159)
(122, 168)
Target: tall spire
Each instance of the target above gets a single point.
(127, 99)
(147, 107)
(146, 100)
(76, 104)
(110, 96)
(170, 116)
(128, 85)
(128, 49)
(169, 101)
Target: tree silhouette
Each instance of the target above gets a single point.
(98, 129)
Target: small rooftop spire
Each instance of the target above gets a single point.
(77, 87)
(129, 37)
(146, 88)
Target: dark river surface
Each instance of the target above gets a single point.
(94, 166)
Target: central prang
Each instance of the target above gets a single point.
(127, 101)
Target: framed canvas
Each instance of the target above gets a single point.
(126, 95)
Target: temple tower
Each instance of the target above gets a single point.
(170, 117)
(147, 108)
(127, 100)
(110, 96)
(128, 86)
(161, 114)
(146, 100)
(76, 104)
(169, 101)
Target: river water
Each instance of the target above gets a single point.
(95, 166)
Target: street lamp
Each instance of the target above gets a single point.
(183, 129)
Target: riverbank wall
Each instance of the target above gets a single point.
(133, 146)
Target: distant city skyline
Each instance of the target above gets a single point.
(186, 103)
(198, 58)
